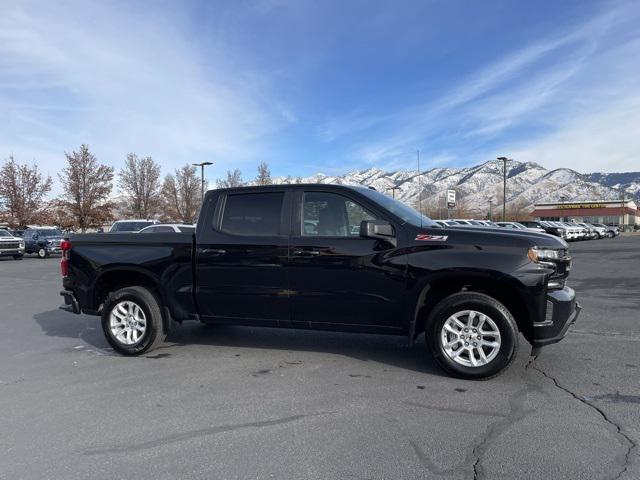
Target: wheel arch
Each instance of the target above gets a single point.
(117, 278)
(505, 289)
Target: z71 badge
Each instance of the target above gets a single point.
(424, 237)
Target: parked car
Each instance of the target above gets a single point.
(582, 232)
(571, 232)
(447, 223)
(129, 226)
(549, 228)
(596, 232)
(610, 231)
(519, 226)
(251, 262)
(42, 240)
(10, 245)
(168, 228)
(461, 221)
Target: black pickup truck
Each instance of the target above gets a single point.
(328, 257)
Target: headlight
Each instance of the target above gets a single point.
(22, 244)
(537, 255)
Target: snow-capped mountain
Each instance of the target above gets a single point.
(527, 183)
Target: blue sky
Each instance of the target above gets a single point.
(326, 86)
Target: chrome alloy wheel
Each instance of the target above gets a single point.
(128, 322)
(470, 338)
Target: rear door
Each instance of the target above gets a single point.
(241, 258)
(339, 279)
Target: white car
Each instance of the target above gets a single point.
(131, 226)
(169, 228)
(519, 226)
(11, 246)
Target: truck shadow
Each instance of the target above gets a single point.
(384, 349)
(57, 323)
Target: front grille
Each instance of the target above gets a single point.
(9, 245)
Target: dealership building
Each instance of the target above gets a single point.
(609, 212)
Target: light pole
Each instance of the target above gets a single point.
(623, 194)
(393, 190)
(490, 209)
(504, 187)
(202, 165)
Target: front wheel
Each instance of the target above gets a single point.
(42, 253)
(132, 321)
(18, 257)
(472, 335)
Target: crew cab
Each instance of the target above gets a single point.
(43, 241)
(291, 256)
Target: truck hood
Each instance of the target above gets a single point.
(489, 236)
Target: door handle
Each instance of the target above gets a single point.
(213, 251)
(306, 253)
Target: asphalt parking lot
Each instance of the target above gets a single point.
(239, 402)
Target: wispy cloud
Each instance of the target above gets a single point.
(125, 80)
(529, 97)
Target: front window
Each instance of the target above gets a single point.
(50, 233)
(399, 209)
(4, 233)
(332, 215)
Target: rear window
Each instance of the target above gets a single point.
(129, 226)
(253, 214)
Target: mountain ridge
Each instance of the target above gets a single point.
(477, 185)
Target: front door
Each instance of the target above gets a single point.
(241, 259)
(337, 278)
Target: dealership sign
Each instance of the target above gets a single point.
(451, 198)
(582, 205)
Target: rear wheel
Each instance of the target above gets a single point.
(132, 321)
(472, 335)
(42, 253)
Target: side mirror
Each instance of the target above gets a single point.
(378, 229)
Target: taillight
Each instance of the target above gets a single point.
(65, 246)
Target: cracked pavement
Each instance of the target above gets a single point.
(238, 403)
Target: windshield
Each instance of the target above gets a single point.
(405, 212)
(129, 226)
(4, 233)
(49, 232)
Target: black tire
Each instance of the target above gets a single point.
(18, 257)
(42, 253)
(154, 333)
(488, 306)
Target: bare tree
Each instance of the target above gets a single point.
(87, 185)
(264, 174)
(22, 191)
(140, 183)
(182, 194)
(234, 179)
